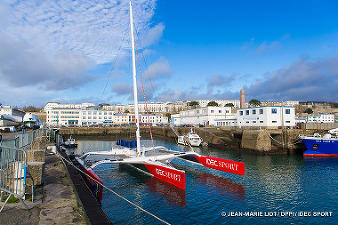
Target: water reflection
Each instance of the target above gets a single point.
(172, 194)
(222, 185)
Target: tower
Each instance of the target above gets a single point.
(242, 98)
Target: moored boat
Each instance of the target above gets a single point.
(70, 143)
(190, 138)
(320, 146)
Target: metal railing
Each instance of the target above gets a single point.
(25, 139)
(13, 170)
(13, 163)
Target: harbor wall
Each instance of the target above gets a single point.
(264, 141)
(319, 126)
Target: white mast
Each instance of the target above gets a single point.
(134, 81)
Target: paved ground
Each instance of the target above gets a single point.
(56, 201)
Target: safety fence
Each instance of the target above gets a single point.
(13, 163)
(13, 171)
(25, 139)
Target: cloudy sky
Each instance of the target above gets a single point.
(73, 51)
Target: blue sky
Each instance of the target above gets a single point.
(75, 51)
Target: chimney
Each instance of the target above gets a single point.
(242, 99)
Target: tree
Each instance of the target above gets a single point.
(194, 103)
(308, 111)
(333, 105)
(31, 109)
(254, 102)
(212, 103)
(168, 115)
(103, 104)
(229, 105)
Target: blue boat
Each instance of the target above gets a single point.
(320, 146)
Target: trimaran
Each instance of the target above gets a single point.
(153, 164)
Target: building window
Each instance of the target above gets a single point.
(273, 110)
(254, 111)
(261, 121)
(261, 111)
(241, 113)
(287, 111)
(254, 121)
(212, 111)
(247, 112)
(220, 111)
(274, 121)
(287, 121)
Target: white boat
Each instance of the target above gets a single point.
(70, 143)
(151, 160)
(31, 120)
(190, 139)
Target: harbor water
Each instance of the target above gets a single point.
(283, 189)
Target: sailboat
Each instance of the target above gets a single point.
(152, 160)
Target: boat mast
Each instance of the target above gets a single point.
(134, 81)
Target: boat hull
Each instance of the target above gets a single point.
(93, 181)
(70, 145)
(320, 147)
(184, 141)
(164, 173)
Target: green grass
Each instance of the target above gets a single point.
(12, 199)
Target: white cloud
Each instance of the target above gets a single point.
(153, 35)
(22, 65)
(95, 28)
(304, 79)
(218, 81)
(158, 69)
(47, 46)
(122, 88)
(267, 47)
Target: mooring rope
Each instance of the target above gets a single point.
(278, 142)
(112, 191)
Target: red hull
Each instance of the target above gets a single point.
(94, 182)
(222, 164)
(320, 155)
(171, 176)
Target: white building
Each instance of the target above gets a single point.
(206, 116)
(152, 107)
(95, 116)
(115, 108)
(229, 120)
(290, 103)
(120, 118)
(78, 117)
(51, 105)
(222, 103)
(320, 118)
(14, 114)
(154, 119)
(268, 116)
